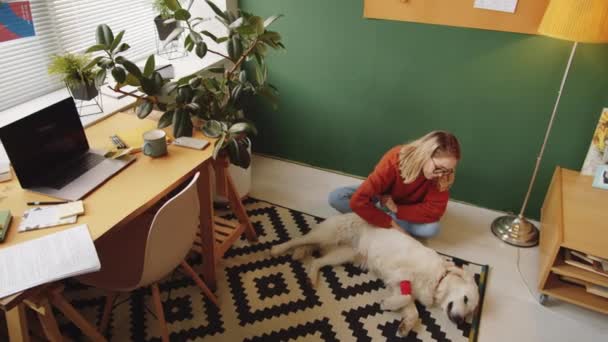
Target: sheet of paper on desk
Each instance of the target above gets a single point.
(497, 5)
(44, 217)
(56, 256)
(5, 171)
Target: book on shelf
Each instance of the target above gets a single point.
(594, 289)
(572, 280)
(597, 290)
(586, 262)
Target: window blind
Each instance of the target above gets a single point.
(76, 22)
(69, 26)
(23, 61)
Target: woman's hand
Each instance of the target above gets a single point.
(398, 228)
(388, 202)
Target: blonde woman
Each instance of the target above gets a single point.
(408, 189)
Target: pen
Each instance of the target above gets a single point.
(46, 203)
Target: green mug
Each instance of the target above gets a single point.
(155, 143)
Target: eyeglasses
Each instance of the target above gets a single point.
(441, 171)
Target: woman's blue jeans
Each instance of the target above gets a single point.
(339, 199)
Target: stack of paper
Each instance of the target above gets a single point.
(53, 257)
(5, 171)
(50, 216)
(598, 290)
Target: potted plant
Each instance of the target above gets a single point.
(163, 28)
(78, 73)
(218, 98)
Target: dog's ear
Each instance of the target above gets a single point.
(469, 274)
(457, 270)
(448, 264)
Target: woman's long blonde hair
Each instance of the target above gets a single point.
(415, 154)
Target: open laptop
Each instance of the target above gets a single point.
(50, 153)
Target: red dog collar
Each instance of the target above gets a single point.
(406, 287)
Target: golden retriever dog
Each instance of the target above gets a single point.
(394, 257)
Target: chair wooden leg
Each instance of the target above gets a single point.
(158, 307)
(199, 282)
(48, 322)
(73, 315)
(206, 226)
(239, 209)
(16, 321)
(107, 311)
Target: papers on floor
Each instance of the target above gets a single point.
(43, 260)
(51, 215)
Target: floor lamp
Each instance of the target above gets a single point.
(584, 21)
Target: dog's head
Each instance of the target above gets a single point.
(457, 294)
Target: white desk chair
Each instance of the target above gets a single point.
(140, 254)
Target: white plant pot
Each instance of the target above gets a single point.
(241, 178)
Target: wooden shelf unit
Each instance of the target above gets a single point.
(563, 269)
(575, 294)
(573, 216)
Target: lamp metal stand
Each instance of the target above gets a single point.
(517, 230)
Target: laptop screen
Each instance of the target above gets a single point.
(40, 142)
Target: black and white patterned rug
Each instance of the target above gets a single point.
(270, 299)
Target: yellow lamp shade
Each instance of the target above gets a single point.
(584, 21)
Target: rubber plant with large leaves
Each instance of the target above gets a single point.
(216, 96)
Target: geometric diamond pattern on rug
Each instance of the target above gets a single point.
(264, 298)
(251, 308)
(365, 324)
(351, 282)
(270, 286)
(177, 309)
(319, 330)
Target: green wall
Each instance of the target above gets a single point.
(352, 87)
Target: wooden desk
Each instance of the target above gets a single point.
(573, 216)
(122, 198)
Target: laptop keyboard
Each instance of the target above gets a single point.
(74, 169)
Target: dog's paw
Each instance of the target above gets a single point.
(313, 275)
(301, 253)
(405, 327)
(277, 250)
(410, 318)
(394, 303)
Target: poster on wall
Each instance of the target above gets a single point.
(598, 151)
(15, 20)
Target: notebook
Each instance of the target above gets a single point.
(43, 260)
(70, 209)
(5, 223)
(51, 216)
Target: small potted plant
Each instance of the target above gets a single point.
(78, 72)
(219, 98)
(163, 28)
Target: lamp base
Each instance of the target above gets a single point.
(516, 231)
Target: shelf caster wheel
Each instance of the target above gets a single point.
(542, 299)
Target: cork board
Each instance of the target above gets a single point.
(526, 18)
